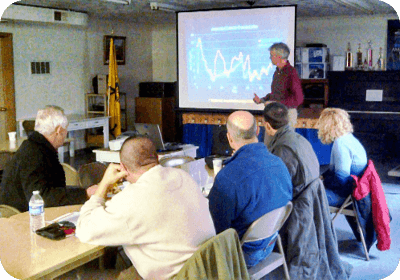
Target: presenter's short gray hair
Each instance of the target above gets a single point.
(48, 118)
(280, 48)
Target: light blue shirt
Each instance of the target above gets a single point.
(348, 157)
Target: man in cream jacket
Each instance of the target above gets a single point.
(160, 219)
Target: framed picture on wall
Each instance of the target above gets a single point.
(119, 43)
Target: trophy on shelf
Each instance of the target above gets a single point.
(349, 58)
(359, 58)
(369, 56)
(380, 64)
(365, 65)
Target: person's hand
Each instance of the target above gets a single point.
(256, 99)
(91, 190)
(268, 102)
(113, 174)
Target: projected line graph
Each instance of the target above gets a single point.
(243, 62)
(223, 56)
(235, 63)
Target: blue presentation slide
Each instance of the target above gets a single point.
(224, 57)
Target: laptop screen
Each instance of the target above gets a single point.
(153, 132)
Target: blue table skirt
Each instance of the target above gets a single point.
(202, 135)
(323, 151)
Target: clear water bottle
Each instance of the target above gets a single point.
(36, 211)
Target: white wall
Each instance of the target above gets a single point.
(61, 45)
(76, 56)
(138, 56)
(164, 53)
(336, 32)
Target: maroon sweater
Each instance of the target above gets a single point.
(286, 87)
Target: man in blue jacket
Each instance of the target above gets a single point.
(252, 183)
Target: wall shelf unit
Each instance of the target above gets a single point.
(96, 105)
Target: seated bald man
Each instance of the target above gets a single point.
(252, 183)
(160, 219)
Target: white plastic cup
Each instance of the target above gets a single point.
(12, 136)
(217, 165)
(13, 145)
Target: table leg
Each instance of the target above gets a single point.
(21, 129)
(61, 154)
(72, 148)
(101, 262)
(71, 144)
(106, 133)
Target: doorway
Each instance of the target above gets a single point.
(7, 92)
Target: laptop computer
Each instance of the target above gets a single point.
(154, 133)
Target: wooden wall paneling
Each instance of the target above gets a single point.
(6, 41)
(168, 119)
(159, 111)
(148, 110)
(307, 118)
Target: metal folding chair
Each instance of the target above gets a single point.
(7, 211)
(265, 227)
(71, 175)
(91, 174)
(351, 213)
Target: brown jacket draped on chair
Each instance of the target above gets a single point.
(221, 257)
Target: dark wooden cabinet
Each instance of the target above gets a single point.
(348, 90)
(376, 123)
(316, 92)
(159, 111)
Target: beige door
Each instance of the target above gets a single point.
(7, 100)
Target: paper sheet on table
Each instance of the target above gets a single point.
(206, 189)
(70, 217)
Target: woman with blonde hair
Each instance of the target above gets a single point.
(348, 156)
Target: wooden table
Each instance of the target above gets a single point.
(6, 146)
(11, 147)
(25, 255)
(395, 172)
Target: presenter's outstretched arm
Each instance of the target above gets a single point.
(256, 99)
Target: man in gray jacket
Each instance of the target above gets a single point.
(309, 241)
(295, 150)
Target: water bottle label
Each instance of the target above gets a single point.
(36, 210)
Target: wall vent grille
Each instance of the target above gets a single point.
(40, 67)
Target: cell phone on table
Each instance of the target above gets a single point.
(57, 231)
(52, 231)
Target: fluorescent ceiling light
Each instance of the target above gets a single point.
(123, 2)
(166, 7)
(357, 4)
